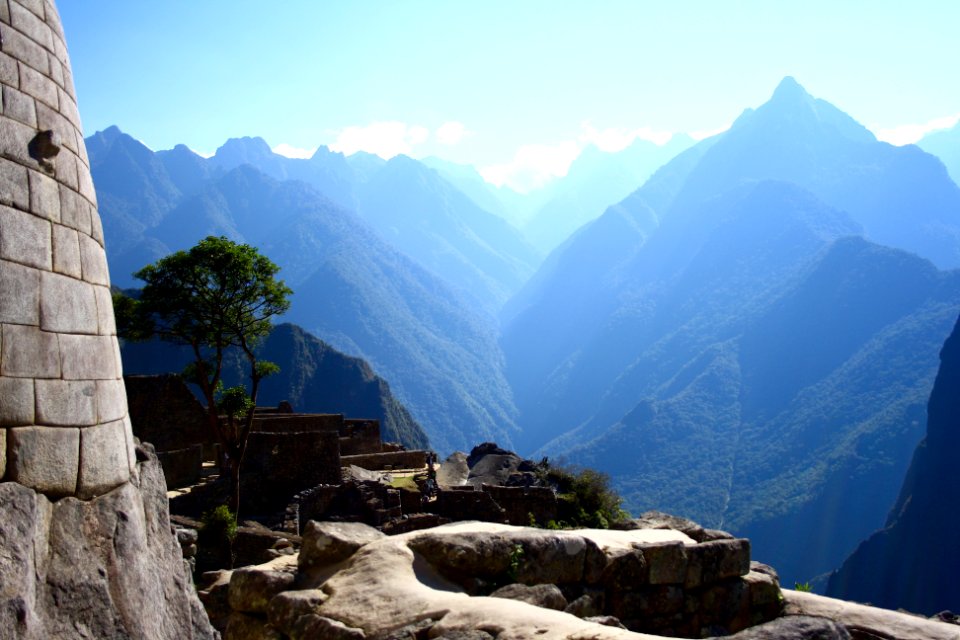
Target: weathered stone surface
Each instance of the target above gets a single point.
(14, 190)
(28, 352)
(466, 634)
(868, 622)
(286, 608)
(104, 568)
(67, 305)
(44, 196)
(666, 562)
(241, 626)
(547, 596)
(586, 606)
(105, 321)
(326, 543)
(16, 408)
(314, 626)
(3, 453)
(66, 402)
(454, 470)
(46, 460)
(25, 238)
(19, 294)
(94, 261)
(252, 588)
(715, 560)
(795, 628)
(66, 251)
(103, 459)
(111, 399)
(87, 357)
(607, 621)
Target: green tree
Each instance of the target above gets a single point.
(216, 296)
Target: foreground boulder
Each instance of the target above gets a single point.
(437, 583)
(109, 567)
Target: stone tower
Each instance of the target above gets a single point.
(63, 417)
(86, 548)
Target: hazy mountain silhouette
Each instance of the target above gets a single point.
(595, 181)
(314, 377)
(352, 289)
(431, 221)
(724, 345)
(910, 563)
(945, 144)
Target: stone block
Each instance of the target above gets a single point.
(117, 359)
(94, 261)
(4, 11)
(48, 117)
(44, 459)
(87, 190)
(38, 85)
(25, 238)
(111, 399)
(96, 224)
(28, 352)
(106, 324)
(327, 543)
(666, 562)
(67, 305)
(103, 459)
(66, 402)
(19, 294)
(19, 106)
(131, 445)
(66, 167)
(68, 107)
(44, 196)
(16, 402)
(56, 71)
(23, 48)
(74, 210)
(66, 251)
(87, 357)
(31, 25)
(3, 453)
(14, 190)
(36, 6)
(252, 588)
(9, 74)
(717, 560)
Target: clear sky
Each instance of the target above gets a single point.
(508, 86)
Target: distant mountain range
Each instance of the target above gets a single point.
(596, 180)
(314, 377)
(945, 144)
(730, 344)
(351, 288)
(748, 338)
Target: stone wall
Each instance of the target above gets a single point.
(298, 422)
(359, 437)
(64, 414)
(166, 414)
(388, 460)
(283, 464)
(522, 503)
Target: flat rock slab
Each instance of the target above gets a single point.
(858, 618)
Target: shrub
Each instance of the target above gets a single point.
(584, 497)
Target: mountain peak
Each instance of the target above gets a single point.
(789, 90)
(248, 147)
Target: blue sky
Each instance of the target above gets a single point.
(508, 86)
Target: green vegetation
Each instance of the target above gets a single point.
(516, 560)
(584, 497)
(804, 586)
(216, 296)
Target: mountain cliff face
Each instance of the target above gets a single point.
(946, 146)
(910, 563)
(729, 344)
(313, 377)
(351, 288)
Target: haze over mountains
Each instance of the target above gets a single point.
(747, 338)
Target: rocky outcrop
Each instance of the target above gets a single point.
(354, 582)
(869, 623)
(910, 563)
(109, 567)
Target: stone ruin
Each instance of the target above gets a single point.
(86, 548)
